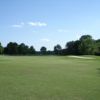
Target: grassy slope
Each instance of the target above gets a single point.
(49, 78)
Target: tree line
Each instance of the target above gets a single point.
(86, 45)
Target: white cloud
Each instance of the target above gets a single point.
(45, 40)
(34, 24)
(37, 24)
(18, 25)
(63, 30)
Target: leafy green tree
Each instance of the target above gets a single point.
(1, 49)
(97, 47)
(12, 48)
(43, 50)
(49, 52)
(69, 47)
(32, 50)
(72, 47)
(23, 49)
(87, 45)
(76, 47)
(57, 49)
(85, 37)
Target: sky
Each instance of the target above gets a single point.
(48, 22)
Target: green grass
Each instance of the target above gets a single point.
(49, 78)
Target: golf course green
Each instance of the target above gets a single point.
(49, 78)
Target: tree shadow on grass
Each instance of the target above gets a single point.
(98, 69)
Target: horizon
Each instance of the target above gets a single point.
(48, 23)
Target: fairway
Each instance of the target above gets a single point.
(49, 78)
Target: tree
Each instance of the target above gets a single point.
(12, 48)
(85, 37)
(23, 49)
(84, 46)
(87, 45)
(32, 50)
(70, 47)
(1, 49)
(97, 47)
(76, 47)
(49, 52)
(43, 50)
(57, 49)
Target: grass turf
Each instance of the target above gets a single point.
(49, 78)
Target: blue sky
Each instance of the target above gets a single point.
(48, 22)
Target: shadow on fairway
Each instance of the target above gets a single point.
(98, 69)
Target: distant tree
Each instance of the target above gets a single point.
(57, 49)
(49, 52)
(76, 47)
(87, 45)
(64, 52)
(43, 50)
(85, 37)
(23, 49)
(70, 47)
(97, 47)
(98, 41)
(84, 46)
(1, 49)
(12, 48)
(26, 50)
(32, 50)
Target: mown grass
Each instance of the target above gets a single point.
(49, 78)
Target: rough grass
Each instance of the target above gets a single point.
(49, 78)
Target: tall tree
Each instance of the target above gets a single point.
(87, 45)
(43, 50)
(57, 49)
(23, 49)
(1, 49)
(12, 48)
(70, 47)
(32, 50)
(97, 47)
(85, 37)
